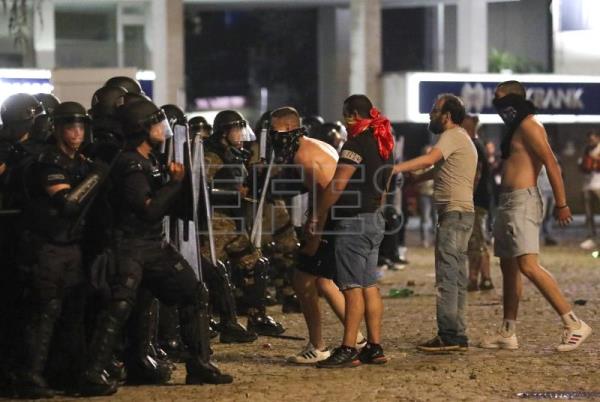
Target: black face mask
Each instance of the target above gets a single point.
(236, 156)
(436, 126)
(286, 144)
(513, 109)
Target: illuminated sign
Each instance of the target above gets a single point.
(558, 98)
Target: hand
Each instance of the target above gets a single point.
(176, 171)
(563, 215)
(244, 190)
(311, 227)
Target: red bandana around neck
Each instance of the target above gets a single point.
(382, 131)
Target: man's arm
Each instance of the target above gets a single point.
(333, 191)
(535, 137)
(420, 162)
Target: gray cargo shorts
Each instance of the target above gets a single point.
(517, 225)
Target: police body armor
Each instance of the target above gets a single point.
(41, 215)
(228, 179)
(127, 220)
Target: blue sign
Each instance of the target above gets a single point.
(551, 98)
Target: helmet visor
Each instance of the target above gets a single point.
(166, 129)
(239, 132)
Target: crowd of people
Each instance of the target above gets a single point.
(132, 235)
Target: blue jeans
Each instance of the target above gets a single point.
(452, 240)
(357, 241)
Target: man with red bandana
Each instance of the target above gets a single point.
(355, 196)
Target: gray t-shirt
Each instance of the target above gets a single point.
(455, 174)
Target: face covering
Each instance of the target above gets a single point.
(513, 109)
(382, 131)
(285, 144)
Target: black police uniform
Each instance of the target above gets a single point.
(50, 249)
(18, 150)
(141, 199)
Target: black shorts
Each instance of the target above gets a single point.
(321, 264)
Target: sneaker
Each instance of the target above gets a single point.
(486, 284)
(588, 244)
(343, 356)
(309, 355)
(437, 344)
(550, 241)
(372, 354)
(500, 341)
(572, 338)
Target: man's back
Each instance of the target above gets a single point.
(318, 160)
(522, 167)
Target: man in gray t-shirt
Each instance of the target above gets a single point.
(455, 160)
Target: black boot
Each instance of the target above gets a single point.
(94, 380)
(234, 332)
(194, 333)
(31, 384)
(263, 324)
(254, 294)
(291, 304)
(116, 370)
(224, 299)
(199, 372)
(143, 364)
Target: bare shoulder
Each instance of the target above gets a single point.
(312, 150)
(531, 127)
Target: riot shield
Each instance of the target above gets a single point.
(204, 201)
(256, 233)
(183, 227)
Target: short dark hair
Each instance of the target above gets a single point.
(512, 87)
(454, 105)
(592, 133)
(360, 104)
(285, 111)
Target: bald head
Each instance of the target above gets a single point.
(510, 87)
(285, 119)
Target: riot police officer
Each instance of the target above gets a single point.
(199, 127)
(217, 274)
(141, 198)
(227, 175)
(60, 186)
(129, 84)
(18, 150)
(42, 126)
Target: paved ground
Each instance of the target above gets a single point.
(261, 373)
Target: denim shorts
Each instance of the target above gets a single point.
(357, 241)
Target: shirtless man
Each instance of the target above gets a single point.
(314, 273)
(525, 150)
